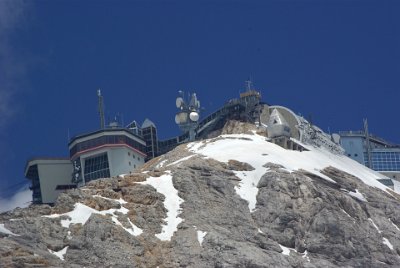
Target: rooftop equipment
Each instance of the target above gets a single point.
(187, 117)
(277, 125)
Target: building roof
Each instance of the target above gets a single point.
(372, 137)
(132, 124)
(148, 123)
(45, 160)
(105, 131)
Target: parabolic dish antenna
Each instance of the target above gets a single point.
(181, 118)
(179, 102)
(194, 116)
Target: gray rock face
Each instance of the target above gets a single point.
(300, 220)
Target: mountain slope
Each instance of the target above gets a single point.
(232, 201)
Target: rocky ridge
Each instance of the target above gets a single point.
(192, 208)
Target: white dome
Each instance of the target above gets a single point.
(194, 116)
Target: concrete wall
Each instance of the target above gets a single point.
(354, 148)
(123, 160)
(51, 174)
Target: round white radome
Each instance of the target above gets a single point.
(194, 116)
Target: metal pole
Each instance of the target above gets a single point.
(101, 108)
(366, 132)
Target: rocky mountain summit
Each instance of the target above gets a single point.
(235, 200)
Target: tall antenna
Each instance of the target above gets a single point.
(366, 132)
(248, 84)
(101, 109)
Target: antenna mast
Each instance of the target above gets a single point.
(368, 143)
(248, 84)
(101, 108)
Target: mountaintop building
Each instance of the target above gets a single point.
(114, 149)
(373, 152)
(49, 177)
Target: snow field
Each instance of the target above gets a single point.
(256, 151)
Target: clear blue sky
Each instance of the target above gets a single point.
(338, 61)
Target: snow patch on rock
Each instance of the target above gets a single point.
(387, 243)
(358, 195)
(305, 256)
(373, 224)
(395, 226)
(121, 201)
(285, 250)
(181, 160)
(161, 164)
(4, 230)
(200, 236)
(82, 213)
(60, 254)
(134, 230)
(172, 202)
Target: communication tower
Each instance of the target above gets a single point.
(187, 117)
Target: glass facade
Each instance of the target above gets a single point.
(36, 193)
(96, 167)
(108, 139)
(150, 136)
(384, 160)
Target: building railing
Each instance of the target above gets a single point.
(358, 133)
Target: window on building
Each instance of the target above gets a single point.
(355, 155)
(386, 161)
(129, 153)
(130, 163)
(96, 167)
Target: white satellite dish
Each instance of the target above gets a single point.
(194, 116)
(179, 102)
(181, 118)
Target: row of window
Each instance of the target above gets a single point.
(109, 139)
(383, 167)
(384, 161)
(385, 155)
(96, 167)
(133, 156)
